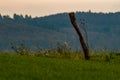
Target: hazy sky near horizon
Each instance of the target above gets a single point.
(46, 7)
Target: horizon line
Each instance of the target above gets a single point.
(11, 16)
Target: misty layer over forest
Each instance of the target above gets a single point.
(103, 30)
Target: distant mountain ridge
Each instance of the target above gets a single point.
(103, 30)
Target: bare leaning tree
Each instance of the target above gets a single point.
(82, 41)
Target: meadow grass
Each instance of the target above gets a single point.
(26, 67)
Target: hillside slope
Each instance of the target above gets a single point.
(103, 30)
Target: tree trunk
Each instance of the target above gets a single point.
(75, 25)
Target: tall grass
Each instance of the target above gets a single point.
(64, 51)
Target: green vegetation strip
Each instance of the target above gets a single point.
(17, 67)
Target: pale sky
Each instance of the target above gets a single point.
(46, 7)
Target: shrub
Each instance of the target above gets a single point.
(21, 49)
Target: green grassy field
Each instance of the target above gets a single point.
(17, 67)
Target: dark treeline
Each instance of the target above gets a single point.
(91, 18)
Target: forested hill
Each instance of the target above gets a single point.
(103, 30)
